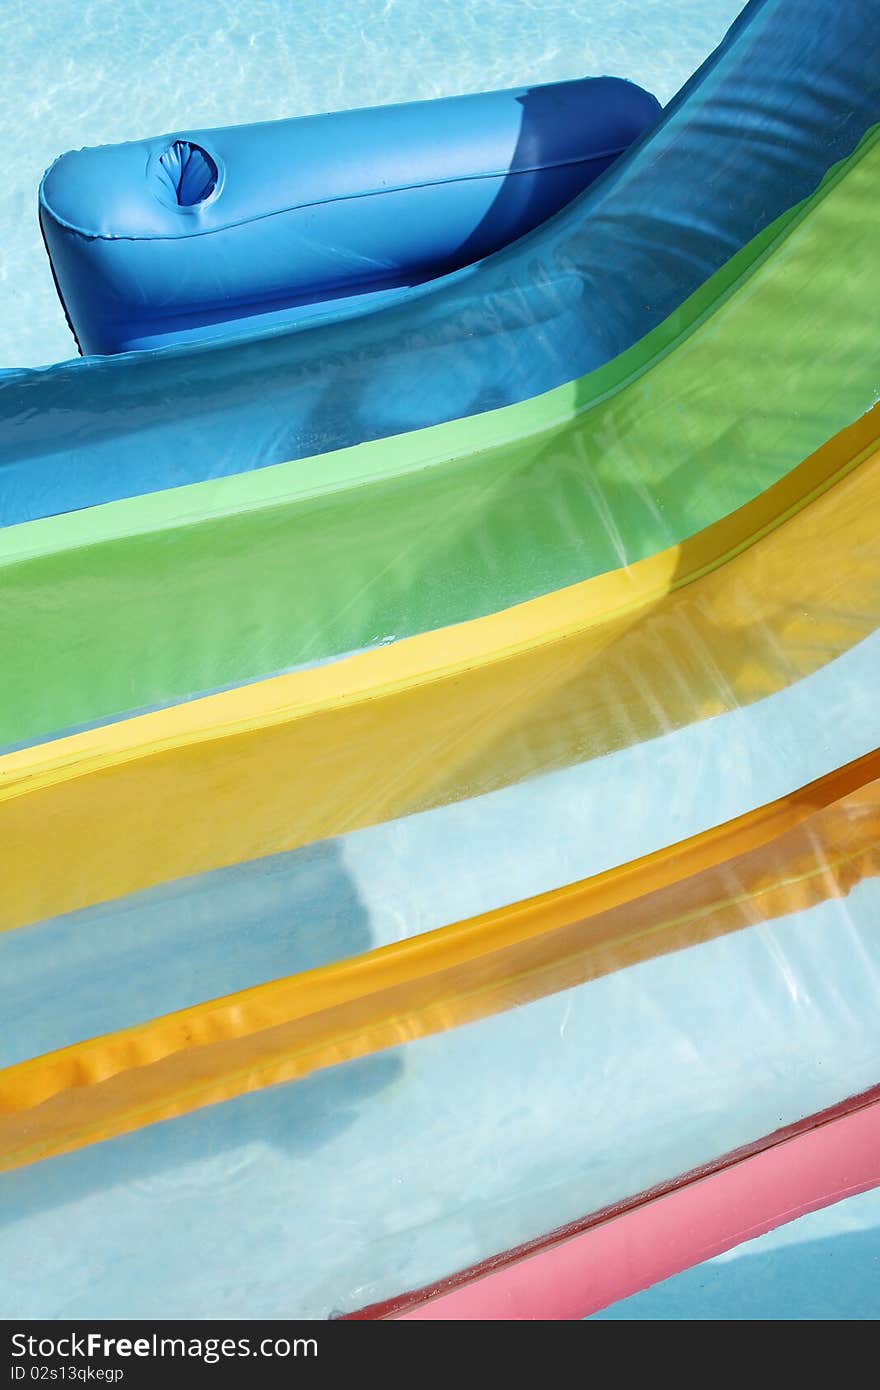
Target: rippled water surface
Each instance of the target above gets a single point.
(85, 72)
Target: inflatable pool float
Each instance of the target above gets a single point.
(181, 238)
(439, 772)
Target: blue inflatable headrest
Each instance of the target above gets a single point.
(171, 237)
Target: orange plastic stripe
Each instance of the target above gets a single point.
(786, 855)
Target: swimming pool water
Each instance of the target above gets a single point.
(88, 72)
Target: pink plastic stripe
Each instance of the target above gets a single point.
(629, 1252)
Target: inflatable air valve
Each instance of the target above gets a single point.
(184, 175)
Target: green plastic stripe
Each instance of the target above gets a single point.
(151, 600)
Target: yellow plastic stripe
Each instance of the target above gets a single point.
(743, 608)
(783, 856)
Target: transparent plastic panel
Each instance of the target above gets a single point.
(390, 1172)
(174, 945)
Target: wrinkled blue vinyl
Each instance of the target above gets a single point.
(791, 91)
(183, 237)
